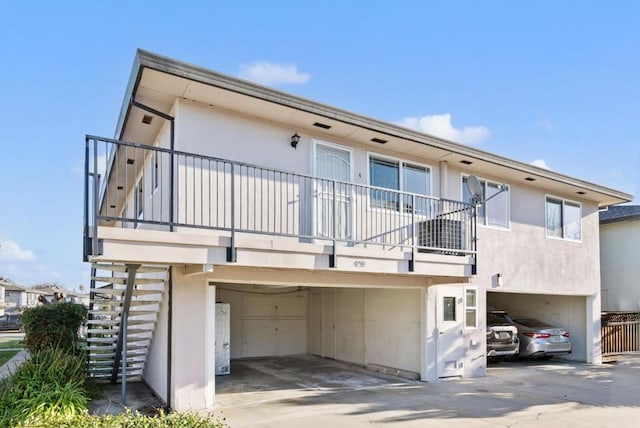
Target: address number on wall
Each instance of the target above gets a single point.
(359, 263)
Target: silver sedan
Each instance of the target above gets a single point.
(541, 340)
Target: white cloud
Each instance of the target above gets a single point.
(540, 163)
(267, 73)
(440, 125)
(11, 251)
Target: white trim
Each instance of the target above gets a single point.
(402, 162)
(476, 307)
(316, 142)
(562, 200)
(210, 345)
(486, 180)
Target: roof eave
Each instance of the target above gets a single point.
(145, 59)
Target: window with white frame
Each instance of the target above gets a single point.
(155, 156)
(563, 219)
(471, 308)
(139, 199)
(494, 212)
(396, 174)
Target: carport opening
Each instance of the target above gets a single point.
(285, 331)
(568, 312)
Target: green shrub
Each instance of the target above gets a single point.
(52, 382)
(128, 420)
(53, 326)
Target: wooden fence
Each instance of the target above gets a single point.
(620, 333)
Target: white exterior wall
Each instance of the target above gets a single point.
(155, 370)
(619, 249)
(378, 326)
(265, 321)
(193, 343)
(16, 298)
(223, 134)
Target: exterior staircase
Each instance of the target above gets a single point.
(124, 305)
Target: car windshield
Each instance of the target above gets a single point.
(498, 319)
(532, 322)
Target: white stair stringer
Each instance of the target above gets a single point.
(108, 287)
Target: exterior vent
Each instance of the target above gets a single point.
(146, 119)
(530, 179)
(120, 187)
(466, 162)
(581, 192)
(322, 125)
(379, 140)
(130, 161)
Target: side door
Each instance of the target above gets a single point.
(332, 162)
(450, 330)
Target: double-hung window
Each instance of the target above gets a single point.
(471, 308)
(564, 219)
(398, 175)
(495, 211)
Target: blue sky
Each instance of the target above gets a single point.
(553, 82)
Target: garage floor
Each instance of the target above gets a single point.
(315, 392)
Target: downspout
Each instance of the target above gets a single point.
(172, 210)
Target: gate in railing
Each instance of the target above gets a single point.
(620, 333)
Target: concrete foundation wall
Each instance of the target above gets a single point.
(569, 312)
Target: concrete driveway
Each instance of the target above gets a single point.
(306, 391)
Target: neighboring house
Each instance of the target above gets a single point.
(18, 298)
(327, 232)
(49, 293)
(2, 301)
(619, 263)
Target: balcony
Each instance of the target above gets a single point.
(151, 204)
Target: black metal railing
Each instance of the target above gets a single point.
(130, 185)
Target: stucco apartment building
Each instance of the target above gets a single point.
(327, 233)
(619, 250)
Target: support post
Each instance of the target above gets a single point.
(122, 333)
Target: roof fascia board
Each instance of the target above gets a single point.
(631, 218)
(145, 59)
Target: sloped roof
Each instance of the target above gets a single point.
(13, 287)
(620, 213)
(157, 81)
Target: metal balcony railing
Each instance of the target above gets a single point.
(137, 186)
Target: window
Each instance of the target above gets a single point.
(154, 171)
(398, 175)
(564, 219)
(494, 212)
(448, 308)
(139, 199)
(471, 308)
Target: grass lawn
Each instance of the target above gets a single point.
(6, 356)
(12, 343)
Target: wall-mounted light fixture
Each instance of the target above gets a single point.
(295, 139)
(498, 280)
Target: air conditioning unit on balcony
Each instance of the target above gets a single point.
(441, 236)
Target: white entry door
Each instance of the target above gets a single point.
(450, 329)
(333, 163)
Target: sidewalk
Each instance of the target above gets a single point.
(13, 363)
